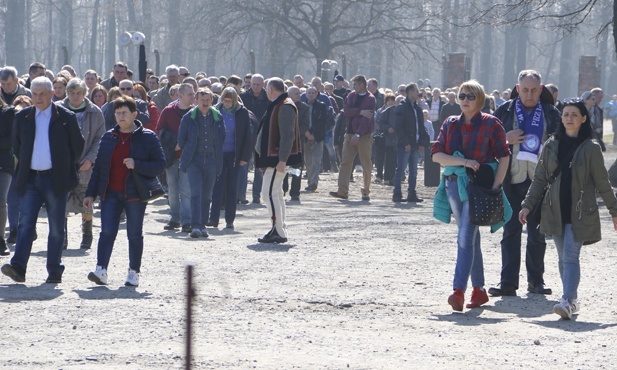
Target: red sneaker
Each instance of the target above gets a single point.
(457, 299)
(478, 297)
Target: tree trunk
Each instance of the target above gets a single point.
(147, 27)
(132, 26)
(567, 80)
(29, 47)
(521, 48)
(94, 33)
(50, 32)
(487, 61)
(110, 54)
(509, 73)
(14, 30)
(70, 29)
(174, 25)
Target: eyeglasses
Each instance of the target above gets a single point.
(126, 88)
(122, 113)
(463, 96)
(228, 101)
(573, 101)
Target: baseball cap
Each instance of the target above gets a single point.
(339, 78)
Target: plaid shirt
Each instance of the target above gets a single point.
(484, 140)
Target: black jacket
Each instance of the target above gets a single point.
(258, 105)
(406, 117)
(245, 119)
(319, 118)
(66, 145)
(7, 162)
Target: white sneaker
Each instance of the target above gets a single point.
(565, 308)
(98, 276)
(575, 306)
(132, 279)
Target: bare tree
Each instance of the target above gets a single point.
(14, 34)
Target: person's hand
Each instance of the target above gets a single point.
(390, 130)
(515, 136)
(129, 163)
(615, 223)
(85, 165)
(177, 148)
(307, 135)
(522, 217)
(354, 140)
(472, 163)
(88, 201)
(243, 163)
(367, 113)
(280, 167)
(408, 148)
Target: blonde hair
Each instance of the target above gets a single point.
(474, 87)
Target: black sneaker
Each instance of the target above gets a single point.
(172, 225)
(272, 237)
(504, 291)
(4, 250)
(12, 235)
(414, 199)
(14, 273)
(186, 228)
(538, 289)
(397, 198)
(54, 279)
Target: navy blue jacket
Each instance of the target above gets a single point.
(65, 142)
(187, 138)
(146, 150)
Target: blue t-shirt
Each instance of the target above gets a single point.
(229, 145)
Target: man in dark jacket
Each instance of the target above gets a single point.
(532, 103)
(48, 144)
(412, 138)
(120, 72)
(314, 137)
(303, 123)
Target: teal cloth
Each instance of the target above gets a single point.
(441, 205)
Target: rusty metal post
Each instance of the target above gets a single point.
(190, 294)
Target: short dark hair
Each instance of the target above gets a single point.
(154, 77)
(585, 132)
(248, 75)
(373, 80)
(411, 86)
(36, 65)
(125, 101)
(359, 78)
(121, 64)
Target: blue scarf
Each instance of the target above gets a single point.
(533, 128)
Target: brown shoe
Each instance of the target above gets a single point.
(337, 195)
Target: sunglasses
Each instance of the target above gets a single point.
(186, 74)
(573, 101)
(125, 88)
(463, 96)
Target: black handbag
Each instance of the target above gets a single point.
(148, 188)
(485, 203)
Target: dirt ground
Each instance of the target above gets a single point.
(360, 285)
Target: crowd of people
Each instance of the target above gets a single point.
(68, 142)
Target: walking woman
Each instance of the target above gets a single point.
(569, 209)
(125, 148)
(236, 153)
(7, 166)
(468, 141)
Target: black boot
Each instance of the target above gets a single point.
(86, 236)
(12, 235)
(4, 250)
(65, 245)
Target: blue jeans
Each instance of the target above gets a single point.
(313, 156)
(258, 179)
(12, 205)
(404, 159)
(111, 208)
(469, 255)
(39, 191)
(569, 252)
(228, 179)
(179, 194)
(202, 176)
(511, 243)
(243, 175)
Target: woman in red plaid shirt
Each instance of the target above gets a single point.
(467, 141)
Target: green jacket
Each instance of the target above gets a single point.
(588, 175)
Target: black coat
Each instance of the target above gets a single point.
(245, 119)
(406, 117)
(7, 161)
(66, 145)
(319, 118)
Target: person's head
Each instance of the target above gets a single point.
(401, 90)
(529, 87)
(436, 94)
(191, 81)
(311, 94)
(204, 82)
(173, 74)
(229, 97)
(35, 70)
(214, 79)
(471, 97)
(496, 94)
(126, 87)
(153, 83)
(389, 100)
(120, 71)
(554, 91)
(65, 74)
(599, 94)
(359, 84)
(274, 88)
(399, 99)
(21, 102)
(186, 95)
(139, 92)
(60, 87)
(125, 111)
(412, 93)
(76, 90)
(204, 99)
(257, 83)
(184, 73)
(316, 82)
(235, 82)
(339, 82)
(294, 93)
(113, 94)
(98, 95)
(217, 88)
(589, 99)
(328, 88)
(91, 78)
(425, 114)
(575, 120)
(372, 85)
(42, 92)
(173, 92)
(8, 79)
(451, 98)
(247, 80)
(299, 81)
(149, 73)
(69, 68)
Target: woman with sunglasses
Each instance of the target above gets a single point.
(467, 141)
(570, 210)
